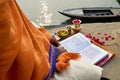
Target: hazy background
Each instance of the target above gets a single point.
(44, 12)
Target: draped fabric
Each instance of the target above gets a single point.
(23, 48)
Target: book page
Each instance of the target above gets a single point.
(75, 43)
(93, 54)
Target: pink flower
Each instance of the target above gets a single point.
(105, 34)
(106, 38)
(102, 43)
(76, 21)
(97, 39)
(99, 33)
(89, 36)
(94, 38)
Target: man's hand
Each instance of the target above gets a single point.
(60, 50)
(54, 41)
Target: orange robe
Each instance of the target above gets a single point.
(23, 48)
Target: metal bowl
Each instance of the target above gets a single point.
(62, 33)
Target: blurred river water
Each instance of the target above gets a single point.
(45, 12)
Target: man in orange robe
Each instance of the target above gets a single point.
(26, 52)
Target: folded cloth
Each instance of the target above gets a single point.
(79, 70)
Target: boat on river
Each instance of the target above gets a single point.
(92, 13)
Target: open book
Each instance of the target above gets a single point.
(89, 51)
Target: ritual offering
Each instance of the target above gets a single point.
(77, 25)
(62, 33)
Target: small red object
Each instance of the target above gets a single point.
(76, 21)
(109, 36)
(99, 33)
(102, 43)
(97, 39)
(89, 36)
(106, 38)
(113, 38)
(105, 34)
(94, 38)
